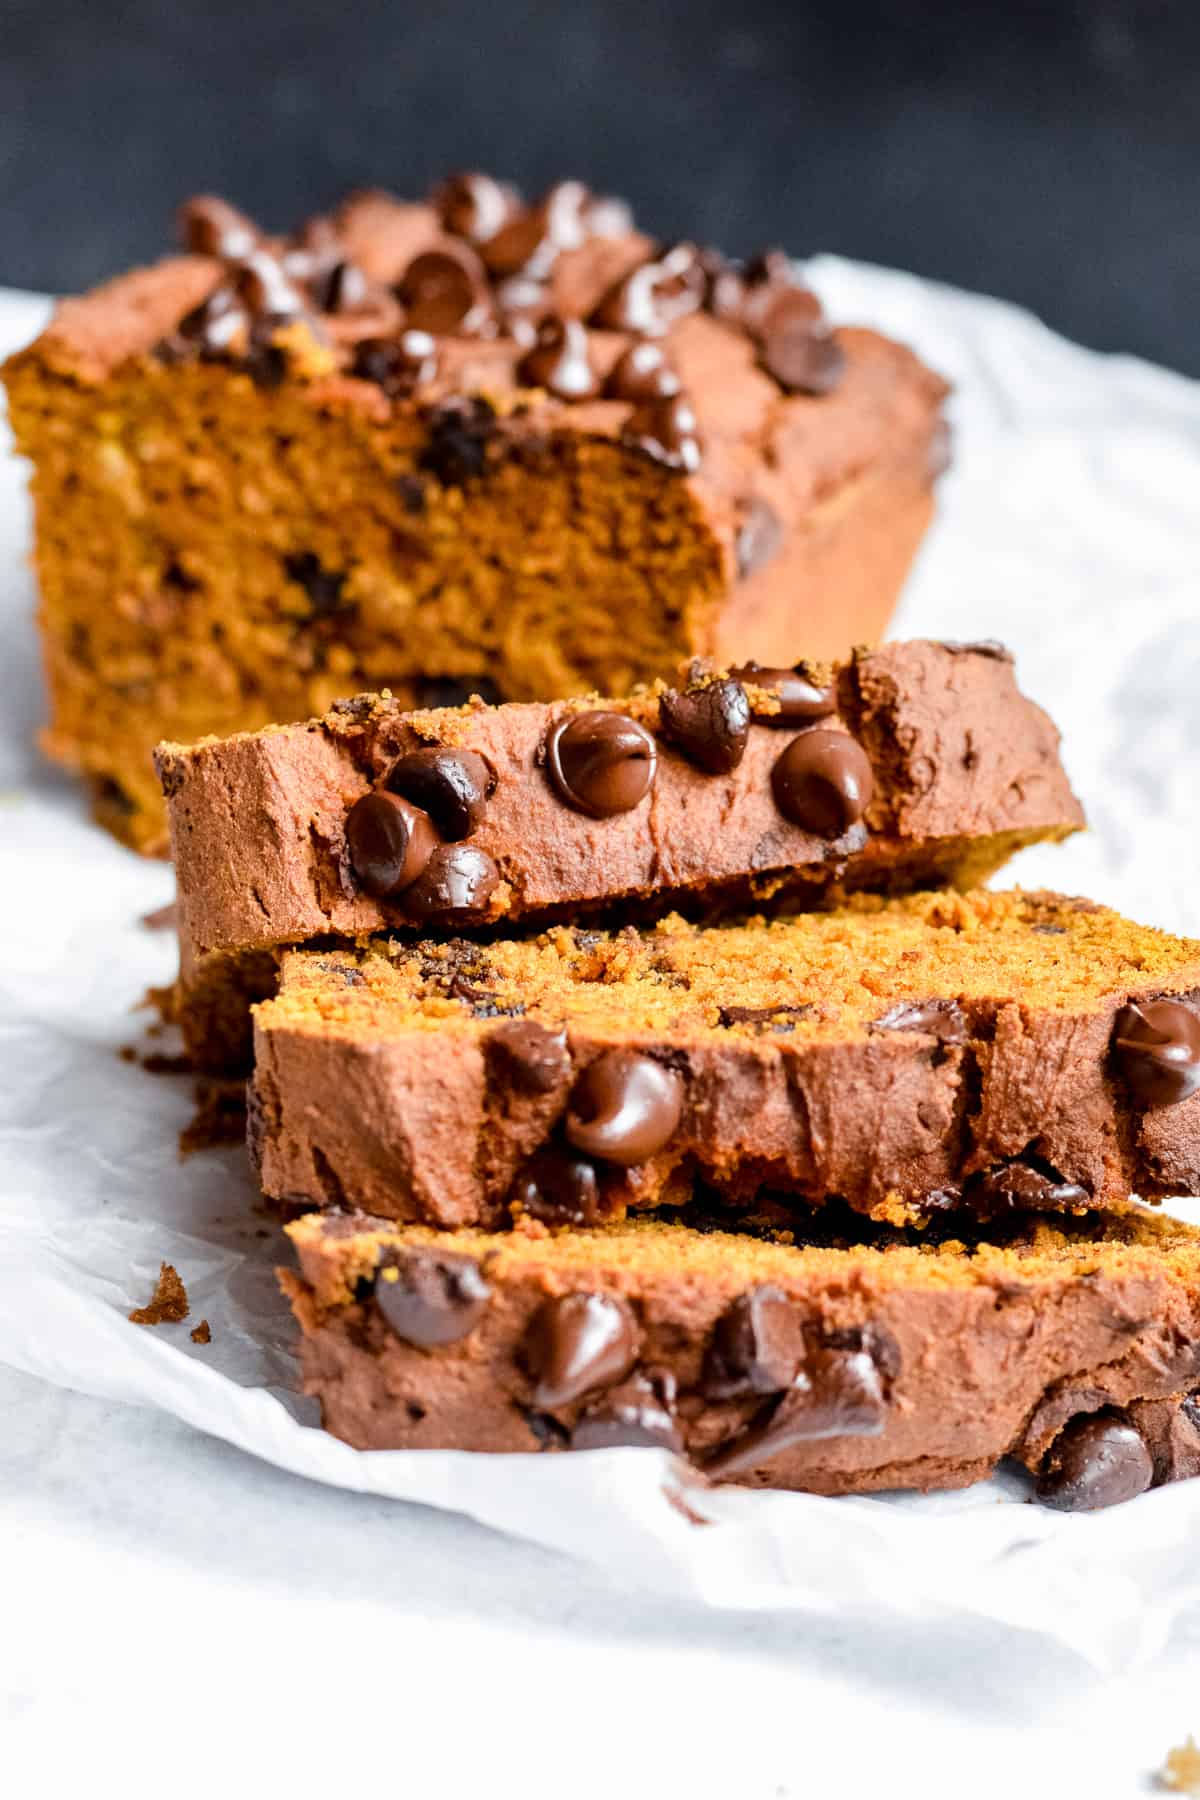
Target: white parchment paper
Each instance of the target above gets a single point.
(1071, 529)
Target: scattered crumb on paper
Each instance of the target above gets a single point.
(202, 1334)
(1180, 1774)
(170, 1302)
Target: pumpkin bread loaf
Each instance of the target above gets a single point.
(471, 444)
(906, 766)
(911, 1057)
(820, 1364)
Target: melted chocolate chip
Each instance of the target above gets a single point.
(773, 1019)
(397, 365)
(214, 327)
(431, 1299)
(651, 298)
(458, 879)
(1018, 1187)
(665, 431)
(709, 724)
(1156, 1046)
(559, 361)
(532, 1058)
(601, 763)
(942, 1019)
(343, 288)
(756, 1348)
(624, 1107)
(445, 292)
(559, 1188)
(642, 373)
(323, 586)
(211, 227)
(390, 843)
(759, 538)
(475, 206)
(839, 1393)
(578, 1344)
(803, 361)
(453, 787)
(264, 290)
(459, 433)
(1098, 1460)
(801, 701)
(640, 1412)
(823, 782)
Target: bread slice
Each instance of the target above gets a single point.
(835, 1366)
(910, 1056)
(911, 765)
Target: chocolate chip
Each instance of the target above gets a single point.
(545, 1427)
(665, 431)
(313, 250)
(577, 1344)
(531, 241)
(453, 787)
(459, 433)
(482, 1000)
(523, 303)
(823, 782)
(1156, 1045)
(756, 1346)
(771, 1018)
(559, 1188)
(264, 290)
(651, 298)
(774, 299)
(431, 1299)
(323, 586)
(457, 879)
(942, 1019)
(445, 292)
(1097, 1460)
(398, 365)
(801, 701)
(760, 537)
(390, 843)
(209, 226)
(801, 360)
(642, 373)
(624, 1107)
(838, 1393)
(1018, 1187)
(343, 288)
(709, 724)
(641, 1411)
(532, 1058)
(216, 324)
(559, 361)
(475, 206)
(601, 763)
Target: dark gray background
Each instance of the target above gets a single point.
(1047, 152)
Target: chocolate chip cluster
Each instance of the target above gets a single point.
(405, 839)
(493, 274)
(583, 1350)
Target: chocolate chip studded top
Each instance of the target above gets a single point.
(601, 762)
(559, 277)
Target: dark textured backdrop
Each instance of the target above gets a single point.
(1046, 152)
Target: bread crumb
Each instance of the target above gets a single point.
(170, 1302)
(1180, 1774)
(127, 1053)
(202, 1334)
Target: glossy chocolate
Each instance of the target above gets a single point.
(558, 1187)
(578, 1344)
(1099, 1460)
(475, 206)
(822, 782)
(624, 1107)
(654, 296)
(838, 1393)
(709, 724)
(430, 1299)
(559, 361)
(389, 842)
(601, 763)
(803, 361)
(458, 879)
(1156, 1046)
(209, 226)
(532, 1058)
(1018, 1187)
(452, 786)
(801, 700)
(756, 1347)
(638, 1413)
(398, 365)
(642, 373)
(939, 1018)
(666, 432)
(445, 292)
